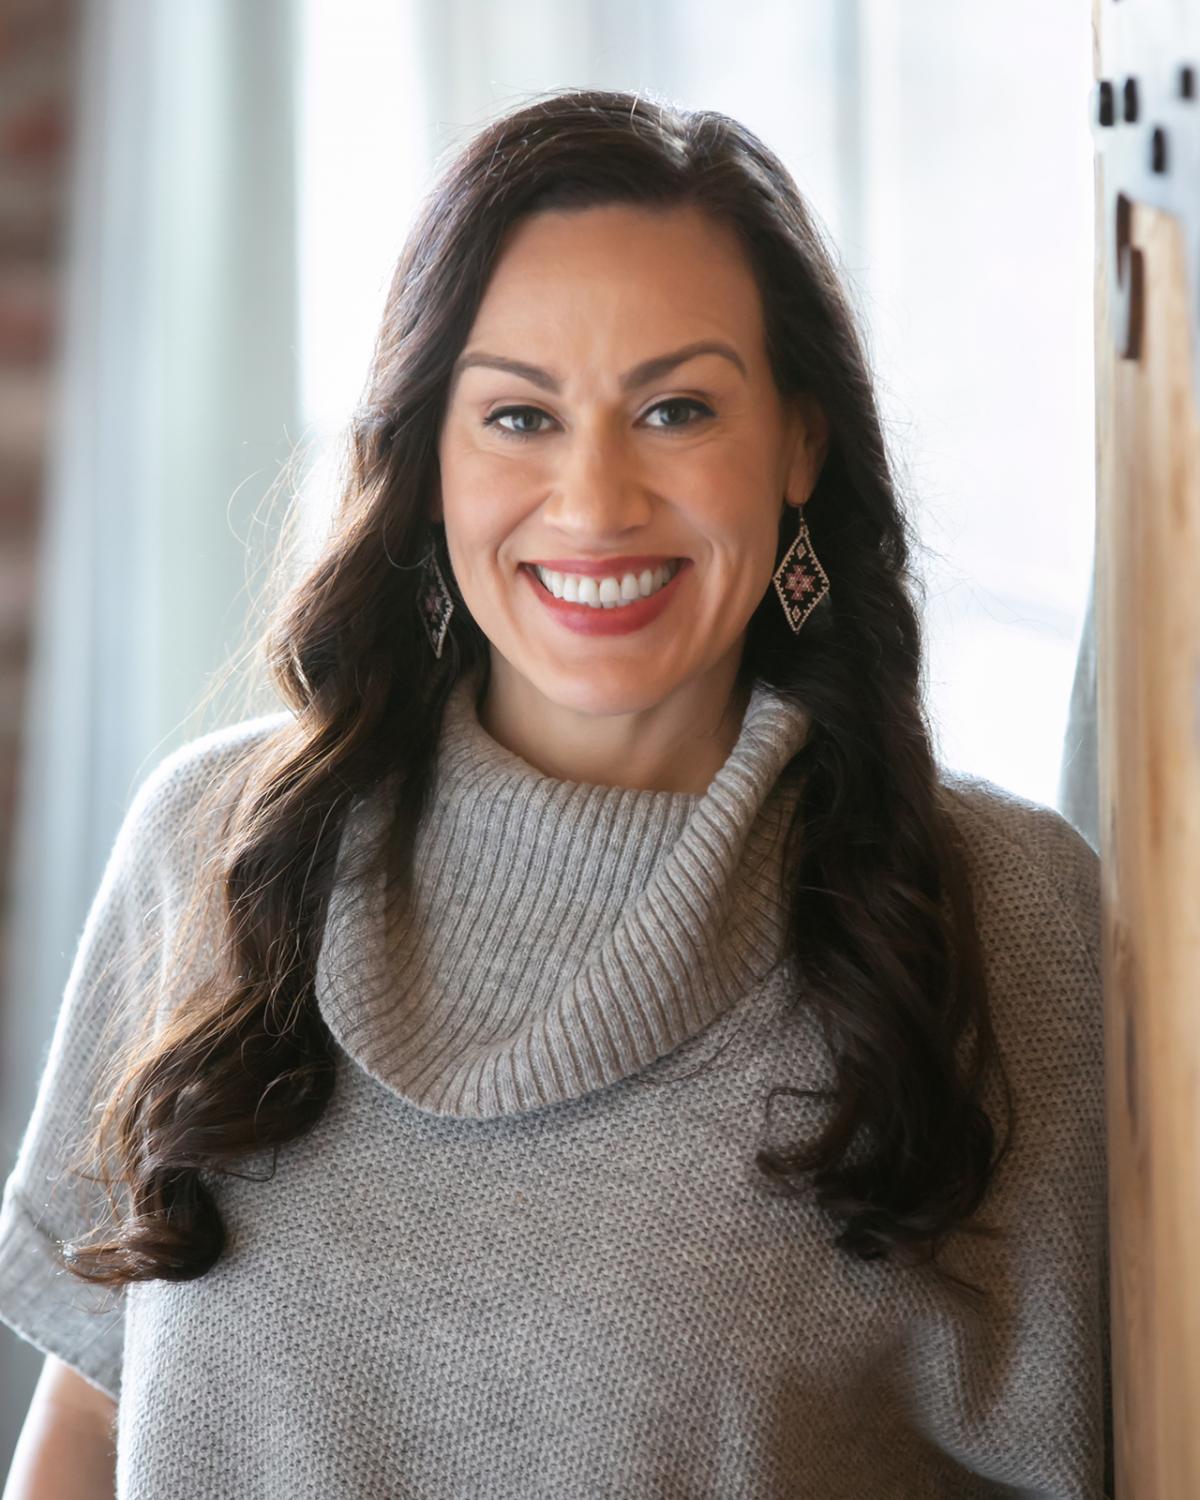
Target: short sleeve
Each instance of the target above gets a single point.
(43, 1205)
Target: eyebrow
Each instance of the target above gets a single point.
(639, 375)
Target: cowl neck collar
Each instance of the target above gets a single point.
(560, 935)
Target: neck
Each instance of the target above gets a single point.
(674, 744)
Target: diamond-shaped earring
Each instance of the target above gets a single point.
(800, 580)
(434, 601)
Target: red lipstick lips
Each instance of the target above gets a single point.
(620, 619)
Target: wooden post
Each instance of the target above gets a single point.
(1148, 652)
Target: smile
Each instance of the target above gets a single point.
(611, 592)
(610, 605)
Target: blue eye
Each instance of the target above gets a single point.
(521, 411)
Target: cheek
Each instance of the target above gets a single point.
(484, 496)
(479, 532)
(725, 482)
(739, 523)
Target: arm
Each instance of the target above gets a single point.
(66, 1449)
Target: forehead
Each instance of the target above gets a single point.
(624, 269)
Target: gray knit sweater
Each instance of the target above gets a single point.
(526, 1251)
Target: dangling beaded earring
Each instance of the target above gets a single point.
(800, 580)
(434, 601)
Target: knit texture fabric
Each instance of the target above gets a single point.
(526, 1250)
(562, 936)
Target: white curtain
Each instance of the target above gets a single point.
(176, 403)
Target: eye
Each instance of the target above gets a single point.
(685, 402)
(513, 411)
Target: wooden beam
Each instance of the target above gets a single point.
(1148, 654)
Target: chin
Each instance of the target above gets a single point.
(615, 688)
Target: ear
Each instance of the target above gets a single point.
(809, 444)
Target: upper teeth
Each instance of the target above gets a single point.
(606, 593)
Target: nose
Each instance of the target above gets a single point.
(597, 490)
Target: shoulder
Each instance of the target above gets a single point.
(180, 781)
(1033, 869)
(187, 772)
(167, 852)
(998, 817)
(172, 815)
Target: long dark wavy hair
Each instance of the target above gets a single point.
(882, 929)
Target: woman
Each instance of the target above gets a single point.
(628, 1021)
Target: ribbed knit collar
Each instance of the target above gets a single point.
(561, 935)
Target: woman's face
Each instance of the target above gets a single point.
(580, 432)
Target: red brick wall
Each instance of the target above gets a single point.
(38, 54)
